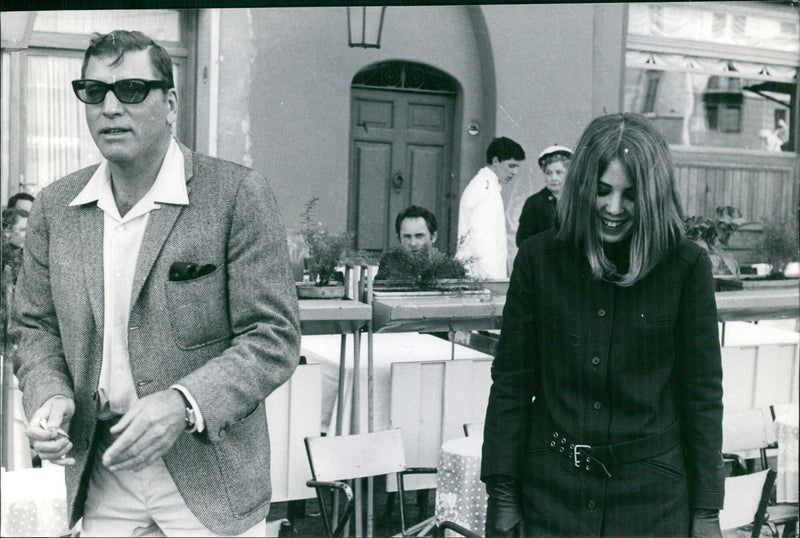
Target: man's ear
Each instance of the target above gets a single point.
(172, 104)
(433, 237)
(495, 161)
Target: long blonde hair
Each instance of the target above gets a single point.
(644, 155)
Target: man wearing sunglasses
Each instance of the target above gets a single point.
(157, 312)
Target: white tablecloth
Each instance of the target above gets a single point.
(387, 349)
(460, 494)
(34, 502)
(787, 430)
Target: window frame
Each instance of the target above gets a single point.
(686, 47)
(183, 54)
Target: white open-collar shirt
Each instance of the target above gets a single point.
(122, 240)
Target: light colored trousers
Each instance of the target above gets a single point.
(140, 503)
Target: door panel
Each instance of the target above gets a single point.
(425, 164)
(401, 154)
(372, 160)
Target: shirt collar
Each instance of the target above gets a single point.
(168, 188)
(493, 179)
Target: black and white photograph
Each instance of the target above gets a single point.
(303, 269)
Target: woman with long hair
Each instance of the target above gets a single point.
(605, 413)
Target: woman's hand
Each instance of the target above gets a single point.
(503, 514)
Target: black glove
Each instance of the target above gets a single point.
(503, 514)
(705, 523)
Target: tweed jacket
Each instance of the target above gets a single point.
(608, 364)
(230, 337)
(538, 214)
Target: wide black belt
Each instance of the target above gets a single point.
(604, 458)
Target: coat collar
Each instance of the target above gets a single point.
(158, 229)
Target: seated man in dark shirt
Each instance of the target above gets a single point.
(416, 229)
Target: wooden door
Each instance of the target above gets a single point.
(401, 154)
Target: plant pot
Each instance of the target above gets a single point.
(408, 288)
(753, 282)
(309, 290)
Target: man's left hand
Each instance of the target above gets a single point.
(149, 428)
(705, 524)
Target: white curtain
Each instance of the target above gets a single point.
(159, 24)
(57, 140)
(712, 23)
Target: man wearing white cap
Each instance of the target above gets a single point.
(481, 214)
(539, 212)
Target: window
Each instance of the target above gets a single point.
(715, 75)
(50, 137)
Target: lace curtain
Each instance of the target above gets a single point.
(715, 24)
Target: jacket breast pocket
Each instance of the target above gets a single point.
(198, 310)
(657, 332)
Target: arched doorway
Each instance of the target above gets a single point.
(401, 146)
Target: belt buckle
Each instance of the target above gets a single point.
(576, 454)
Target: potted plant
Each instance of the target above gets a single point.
(713, 235)
(427, 271)
(325, 252)
(778, 246)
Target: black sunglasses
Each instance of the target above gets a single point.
(129, 91)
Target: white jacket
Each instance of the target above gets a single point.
(482, 227)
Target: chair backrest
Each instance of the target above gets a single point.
(746, 498)
(756, 375)
(430, 403)
(343, 457)
(747, 429)
(473, 429)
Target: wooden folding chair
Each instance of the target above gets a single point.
(747, 434)
(746, 498)
(335, 459)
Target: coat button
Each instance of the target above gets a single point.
(595, 360)
(601, 313)
(591, 505)
(597, 405)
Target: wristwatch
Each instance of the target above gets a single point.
(189, 416)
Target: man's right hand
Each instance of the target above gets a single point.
(42, 431)
(502, 511)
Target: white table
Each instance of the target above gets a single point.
(786, 425)
(460, 494)
(387, 349)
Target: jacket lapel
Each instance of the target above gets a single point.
(91, 249)
(158, 229)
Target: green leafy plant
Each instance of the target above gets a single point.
(326, 250)
(714, 234)
(778, 244)
(425, 268)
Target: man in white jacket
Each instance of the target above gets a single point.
(481, 215)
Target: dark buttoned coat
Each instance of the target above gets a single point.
(538, 214)
(230, 337)
(607, 364)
